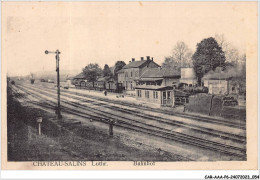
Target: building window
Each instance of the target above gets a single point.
(126, 74)
(154, 94)
(131, 74)
(147, 94)
(139, 93)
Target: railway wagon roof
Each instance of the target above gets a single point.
(104, 79)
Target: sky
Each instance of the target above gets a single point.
(105, 32)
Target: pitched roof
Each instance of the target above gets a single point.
(80, 76)
(135, 64)
(121, 71)
(160, 73)
(69, 78)
(150, 79)
(103, 79)
(154, 87)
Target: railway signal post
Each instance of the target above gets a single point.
(57, 52)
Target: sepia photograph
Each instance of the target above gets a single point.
(129, 85)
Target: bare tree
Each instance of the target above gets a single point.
(231, 53)
(181, 57)
(233, 57)
(222, 42)
(182, 54)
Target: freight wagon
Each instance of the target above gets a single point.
(100, 85)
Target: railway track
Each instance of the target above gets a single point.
(230, 123)
(194, 117)
(149, 129)
(209, 131)
(49, 105)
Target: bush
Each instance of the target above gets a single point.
(217, 106)
(199, 103)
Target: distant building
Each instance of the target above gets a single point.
(222, 86)
(80, 80)
(156, 85)
(131, 72)
(188, 76)
(100, 84)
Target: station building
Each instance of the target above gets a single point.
(156, 85)
(131, 72)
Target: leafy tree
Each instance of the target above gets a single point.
(169, 62)
(118, 66)
(208, 56)
(243, 66)
(181, 57)
(106, 71)
(92, 72)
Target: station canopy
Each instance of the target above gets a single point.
(157, 88)
(150, 79)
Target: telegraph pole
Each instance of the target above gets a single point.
(57, 52)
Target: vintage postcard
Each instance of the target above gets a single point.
(129, 85)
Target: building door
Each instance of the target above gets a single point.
(163, 97)
(210, 89)
(168, 101)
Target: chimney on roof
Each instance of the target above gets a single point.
(142, 58)
(130, 61)
(148, 58)
(152, 58)
(133, 59)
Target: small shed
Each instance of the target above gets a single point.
(79, 80)
(100, 84)
(155, 94)
(222, 86)
(110, 84)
